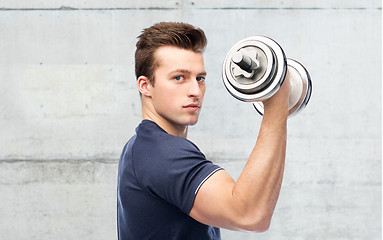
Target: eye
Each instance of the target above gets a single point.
(200, 79)
(178, 78)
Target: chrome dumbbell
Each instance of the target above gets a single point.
(255, 68)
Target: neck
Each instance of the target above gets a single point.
(169, 127)
(180, 131)
(172, 128)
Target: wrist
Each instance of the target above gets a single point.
(276, 115)
(280, 110)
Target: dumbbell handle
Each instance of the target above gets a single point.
(245, 62)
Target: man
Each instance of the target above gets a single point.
(166, 187)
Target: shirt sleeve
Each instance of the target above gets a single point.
(173, 170)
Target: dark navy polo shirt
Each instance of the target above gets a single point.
(159, 176)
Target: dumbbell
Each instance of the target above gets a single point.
(255, 68)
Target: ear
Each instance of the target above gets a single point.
(144, 86)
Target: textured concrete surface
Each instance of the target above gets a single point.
(68, 103)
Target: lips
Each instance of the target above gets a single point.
(193, 106)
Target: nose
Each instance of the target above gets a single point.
(195, 89)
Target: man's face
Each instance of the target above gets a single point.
(179, 85)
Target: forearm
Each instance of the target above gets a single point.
(247, 204)
(257, 189)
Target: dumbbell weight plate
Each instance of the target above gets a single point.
(300, 88)
(266, 80)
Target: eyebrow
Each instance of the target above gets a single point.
(184, 71)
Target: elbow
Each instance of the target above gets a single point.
(255, 223)
(260, 227)
(257, 227)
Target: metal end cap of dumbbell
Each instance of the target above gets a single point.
(300, 88)
(254, 69)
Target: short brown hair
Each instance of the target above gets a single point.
(176, 34)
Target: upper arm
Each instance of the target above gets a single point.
(216, 205)
(213, 204)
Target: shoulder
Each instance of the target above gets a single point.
(154, 141)
(160, 156)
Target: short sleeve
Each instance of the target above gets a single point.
(172, 169)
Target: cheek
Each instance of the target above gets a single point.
(165, 99)
(203, 90)
(170, 97)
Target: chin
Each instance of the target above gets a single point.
(187, 121)
(191, 123)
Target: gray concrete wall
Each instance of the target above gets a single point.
(68, 103)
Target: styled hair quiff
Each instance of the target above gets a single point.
(177, 34)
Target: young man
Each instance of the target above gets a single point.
(167, 189)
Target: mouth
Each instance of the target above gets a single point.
(193, 106)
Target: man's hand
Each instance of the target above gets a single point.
(279, 102)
